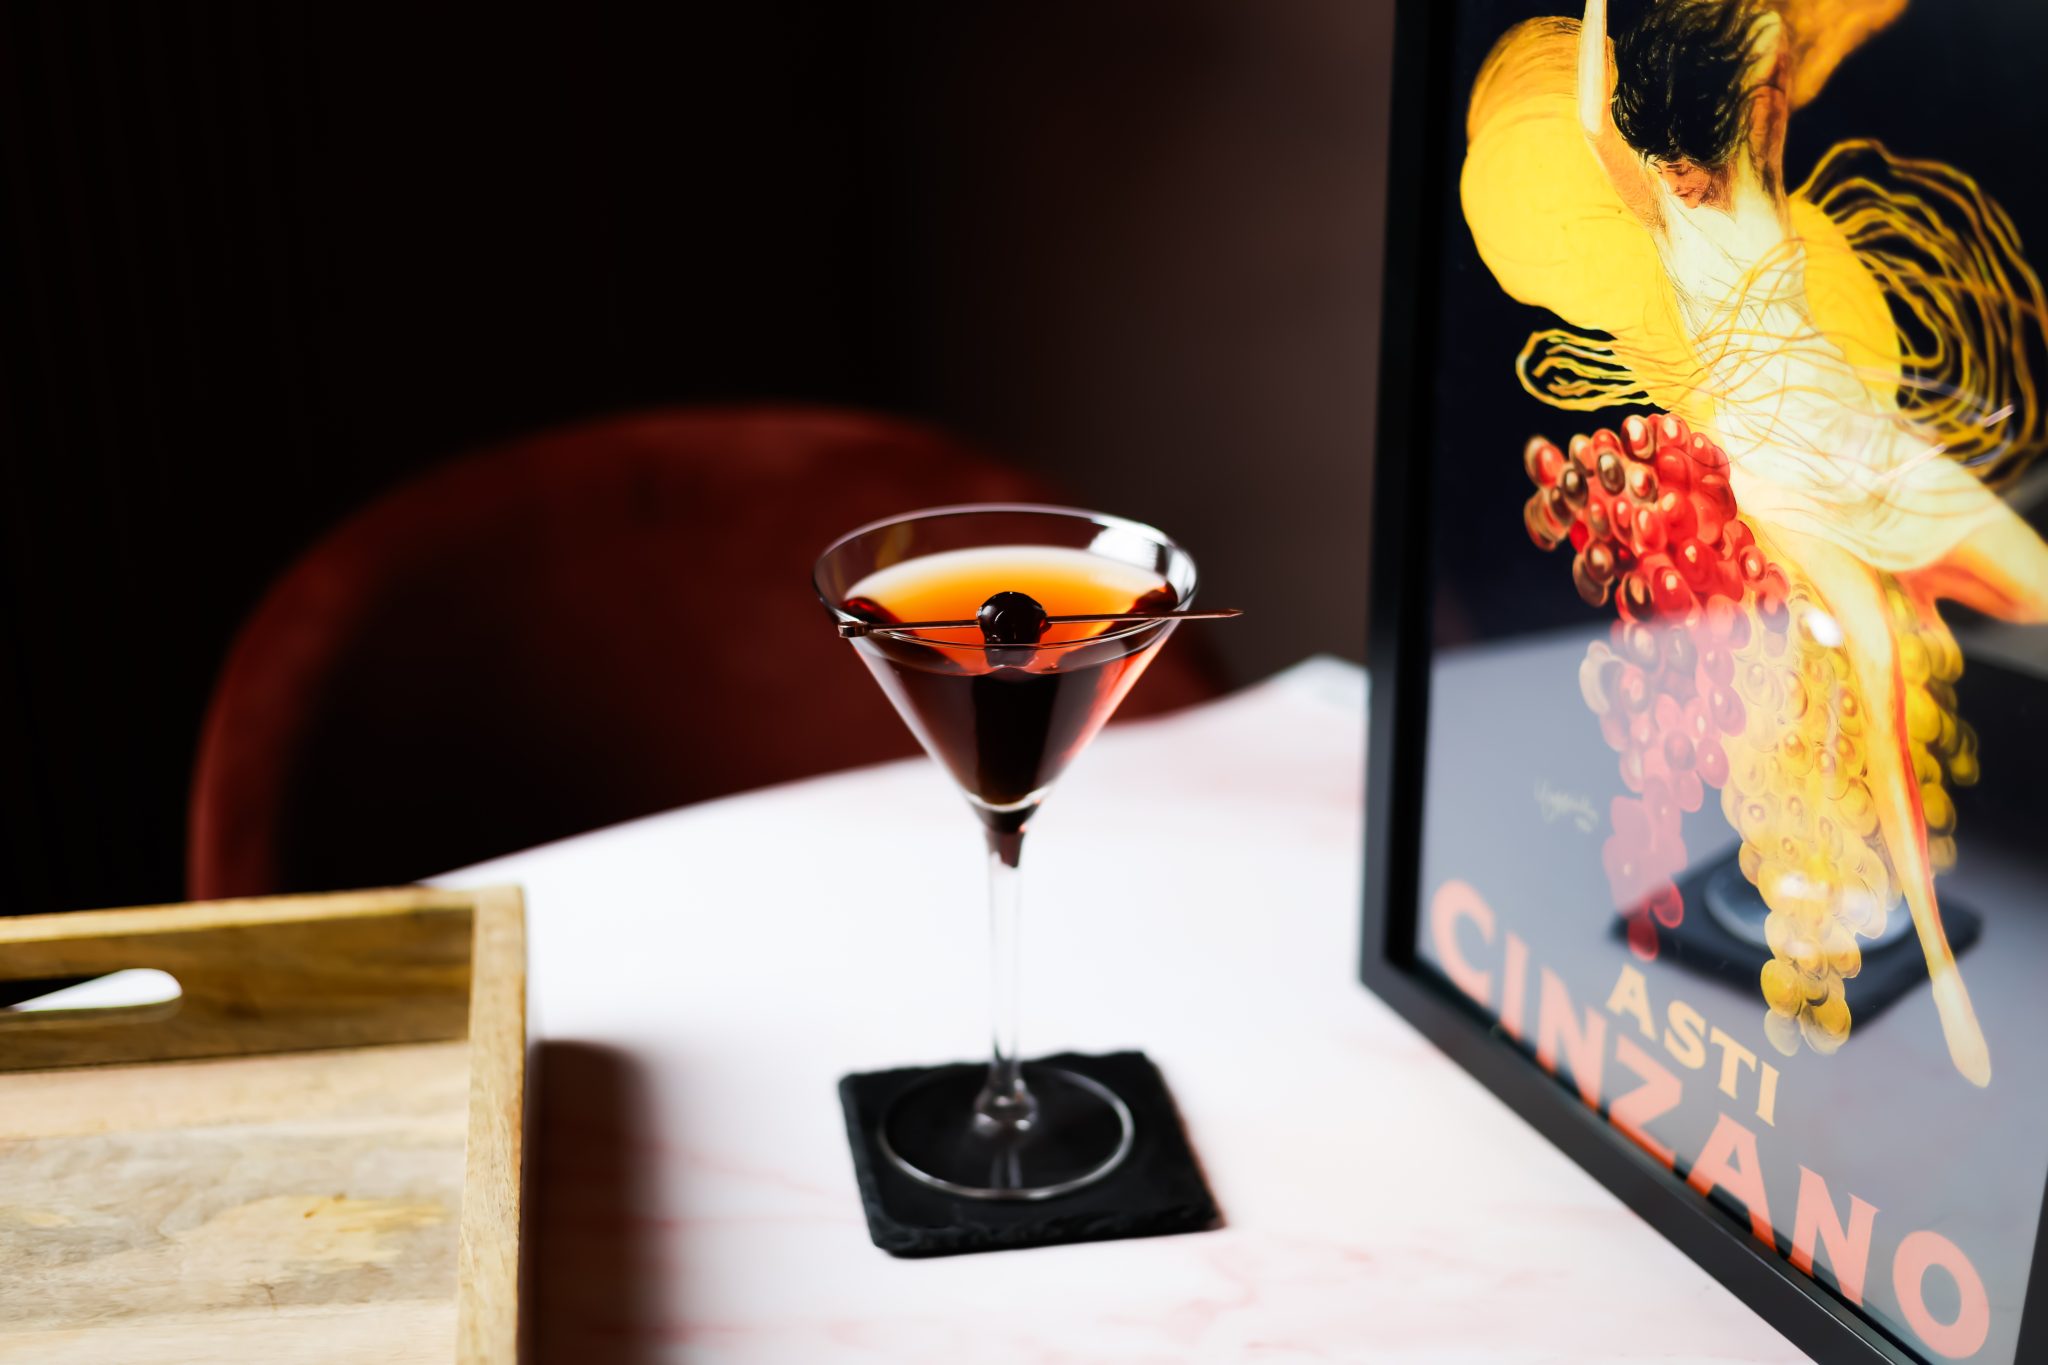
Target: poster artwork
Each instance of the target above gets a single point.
(1784, 417)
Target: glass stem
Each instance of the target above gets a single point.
(1004, 1109)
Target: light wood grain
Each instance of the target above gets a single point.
(488, 1328)
(118, 1222)
(397, 1334)
(345, 1203)
(255, 976)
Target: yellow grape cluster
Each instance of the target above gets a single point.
(1799, 794)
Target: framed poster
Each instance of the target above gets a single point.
(1710, 679)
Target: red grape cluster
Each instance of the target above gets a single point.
(1651, 517)
(1653, 524)
(1728, 671)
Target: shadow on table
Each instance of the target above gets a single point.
(595, 1272)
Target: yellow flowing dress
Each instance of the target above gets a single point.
(1853, 374)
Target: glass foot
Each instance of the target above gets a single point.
(1081, 1133)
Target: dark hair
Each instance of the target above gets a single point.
(1681, 79)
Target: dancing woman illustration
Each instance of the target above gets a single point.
(1851, 363)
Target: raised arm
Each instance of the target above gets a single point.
(1595, 91)
(1624, 169)
(1771, 103)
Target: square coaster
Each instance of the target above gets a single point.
(1157, 1190)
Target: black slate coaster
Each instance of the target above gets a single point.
(1158, 1190)
(1700, 944)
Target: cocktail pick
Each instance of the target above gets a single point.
(850, 630)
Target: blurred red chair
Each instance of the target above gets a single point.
(573, 630)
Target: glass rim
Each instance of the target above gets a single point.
(1107, 521)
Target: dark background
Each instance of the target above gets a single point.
(259, 263)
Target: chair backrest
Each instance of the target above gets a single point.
(518, 646)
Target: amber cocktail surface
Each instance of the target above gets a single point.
(1006, 721)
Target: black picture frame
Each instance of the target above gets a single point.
(1398, 645)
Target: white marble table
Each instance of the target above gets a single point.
(704, 977)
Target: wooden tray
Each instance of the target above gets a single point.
(313, 1154)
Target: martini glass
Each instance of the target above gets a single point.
(1004, 709)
